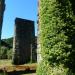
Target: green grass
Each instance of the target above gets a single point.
(5, 62)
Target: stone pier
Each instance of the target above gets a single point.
(2, 8)
(39, 57)
(23, 43)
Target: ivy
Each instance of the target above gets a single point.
(57, 33)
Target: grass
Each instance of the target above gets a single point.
(5, 62)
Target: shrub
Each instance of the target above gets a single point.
(5, 53)
(9, 54)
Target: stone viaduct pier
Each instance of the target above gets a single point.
(2, 8)
(24, 40)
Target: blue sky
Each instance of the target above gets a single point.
(26, 9)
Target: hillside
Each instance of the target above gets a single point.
(9, 41)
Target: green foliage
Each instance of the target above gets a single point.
(57, 34)
(45, 69)
(5, 53)
(42, 69)
(9, 41)
(73, 5)
(9, 54)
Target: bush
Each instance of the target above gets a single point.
(57, 35)
(9, 54)
(5, 53)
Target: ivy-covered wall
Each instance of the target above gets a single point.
(57, 37)
(73, 5)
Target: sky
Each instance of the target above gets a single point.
(26, 9)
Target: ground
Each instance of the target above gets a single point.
(7, 66)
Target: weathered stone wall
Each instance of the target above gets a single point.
(2, 8)
(23, 41)
(39, 58)
(34, 50)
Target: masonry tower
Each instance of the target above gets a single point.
(2, 8)
(23, 41)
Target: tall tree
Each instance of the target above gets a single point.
(57, 37)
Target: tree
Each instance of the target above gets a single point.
(3, 53)
(9, 41)
(57, 36)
